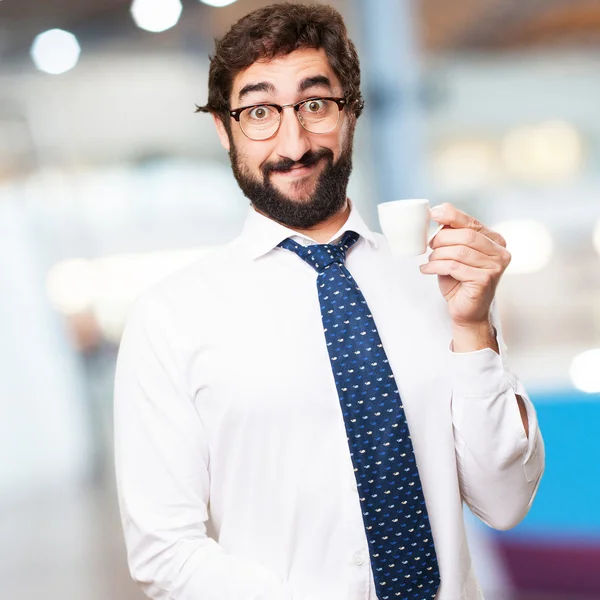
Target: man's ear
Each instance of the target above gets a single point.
(222, 132)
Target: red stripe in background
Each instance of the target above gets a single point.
(553, 567)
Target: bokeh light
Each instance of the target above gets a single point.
(464, 166)
(55, 51)
(585, 371)
(529, 243)
(108, 286)
(156, 15)
(549, 152)
(71, 285)
(218, 3)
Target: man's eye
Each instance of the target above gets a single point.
(259, 113)
(314, 106)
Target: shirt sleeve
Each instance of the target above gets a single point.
(163, 481)
(499, 467)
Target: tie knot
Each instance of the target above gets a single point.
(321, 256)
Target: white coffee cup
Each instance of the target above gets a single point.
(405, 224)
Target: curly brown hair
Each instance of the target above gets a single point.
(278, 30)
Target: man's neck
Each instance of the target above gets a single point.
(323, 232)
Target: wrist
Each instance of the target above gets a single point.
(470, 337)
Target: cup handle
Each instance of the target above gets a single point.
(437, 230)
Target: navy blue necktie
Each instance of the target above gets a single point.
(395, 517)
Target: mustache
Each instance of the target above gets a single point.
(285, 164)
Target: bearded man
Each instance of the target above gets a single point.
(298, 416)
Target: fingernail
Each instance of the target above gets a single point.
(436, 212)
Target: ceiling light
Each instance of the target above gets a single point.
(529, 243)
(585, 371)
(156, 15)
(55, 51)
(218, 3)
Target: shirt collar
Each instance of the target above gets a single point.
(261, 234)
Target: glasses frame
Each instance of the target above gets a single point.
(237, 112)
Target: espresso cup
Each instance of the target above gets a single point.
(405, 224)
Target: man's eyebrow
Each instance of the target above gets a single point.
(261, 86)
(316, 80)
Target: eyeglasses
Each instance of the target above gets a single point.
(262, 121)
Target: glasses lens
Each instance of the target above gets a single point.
(318, 115)
(259, 122)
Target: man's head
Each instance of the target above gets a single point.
(293, 163)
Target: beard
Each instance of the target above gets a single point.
(327, 199)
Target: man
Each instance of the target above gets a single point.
(298, 416)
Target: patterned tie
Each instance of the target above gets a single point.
(395, 517)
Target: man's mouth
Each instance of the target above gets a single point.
(297, 171)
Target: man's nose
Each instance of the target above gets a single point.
(292, 139)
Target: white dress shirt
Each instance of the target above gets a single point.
(234, 473)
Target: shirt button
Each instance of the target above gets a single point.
(358, 558)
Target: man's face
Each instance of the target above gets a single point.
(296, 177)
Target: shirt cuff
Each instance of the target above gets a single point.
(479, 373)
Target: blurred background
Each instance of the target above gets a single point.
(109, 181)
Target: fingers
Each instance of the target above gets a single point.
(471, 239)
(449, 215)
(460, 271)
(466, 255)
